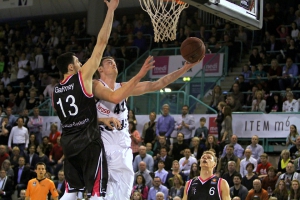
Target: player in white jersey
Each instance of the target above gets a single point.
(117, 140)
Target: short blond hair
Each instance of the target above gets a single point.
(212, 154)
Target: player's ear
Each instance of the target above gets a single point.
(71, 67)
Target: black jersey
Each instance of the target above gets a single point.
(78, 115)
(204, 189)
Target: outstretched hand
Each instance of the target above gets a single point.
(111, 121)
(112, 4)
(148, 65)
(188, 65)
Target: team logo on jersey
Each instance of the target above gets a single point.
(194, 190)
(213, 181)
(34, 183)
(102, 110)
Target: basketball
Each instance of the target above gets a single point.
(192, 49)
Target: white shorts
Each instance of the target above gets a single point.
(120, 173)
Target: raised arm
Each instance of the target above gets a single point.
(89, 68)
(147, 86)
(103, 93)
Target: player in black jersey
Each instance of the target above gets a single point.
(207, 185)
(85, 167)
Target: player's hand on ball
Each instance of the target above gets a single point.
(188, 65)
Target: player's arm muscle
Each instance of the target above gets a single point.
(225, 190)
(89, 68)
(184, 192)
(104, 93)
(147, 86)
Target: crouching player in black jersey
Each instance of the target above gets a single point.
(207, 185)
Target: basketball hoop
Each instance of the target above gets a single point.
(164, 16)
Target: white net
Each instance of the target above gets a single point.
(164, 16)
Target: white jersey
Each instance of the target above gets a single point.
(106, 109)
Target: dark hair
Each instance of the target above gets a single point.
(202, 119)
(185, 106)
(143, 179)
(161, 161)
(105, 58)
(133, 126)
(40, 163)
(237, 175)
(63, 61)
(252, 165)
(134, 118)
(180, 133)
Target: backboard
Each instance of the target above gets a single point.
(247, 13)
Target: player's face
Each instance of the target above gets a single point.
(77, 65)
(109, 66)
(207, 160)
(40, 171)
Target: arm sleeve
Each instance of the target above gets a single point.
(171, 127)
(157, 127)
(151, 164)
(191, 123)
(53, 189)
(262, 106)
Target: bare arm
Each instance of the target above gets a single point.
(147, 86)
(103, 93)
(225, 190)
(184, 192)
(89, 68)
(27, 198)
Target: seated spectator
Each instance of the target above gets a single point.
(140, 42)
(143, 156)
(258, 104)
(9, 170)
(54, 134)
(161, 172)
(158, 190)
(50, 87)
(164, 157)
(238, 149)
(145, 173)
(22, 175)
(248, 179)
(4, 135)
(14, 158)
(289, 74)
(263, 167)
(283, 161)
(46, 145)
(149, 149)
(236, 93)
(257, 191)
(260, 73)
(244, 162)
(231, 172)
(32, 101)
(257, 149)
(140, 186)
(31, 158)
(60, 183)
(110, 51)
(275, 72)
(295, 190)
(289, 175)
(294, 153)
(20, 102)
(5, 79)
(56, 155)
(251, 96)
(175, 170)
(246, 73)
(177, 149)
(291, 104)
(271, 179)
(238, 190)
(196, 149)
(235, 106)
(148, 134)
(186, 162)
(211, 144)
(254, 58)
(162, 142)
(281, 192)
(243, 85)
(194, 172)
(33, 84)
(222, 166)
(275, 104)
(282, 31)
(177, 188)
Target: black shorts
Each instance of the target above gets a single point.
(87, 169)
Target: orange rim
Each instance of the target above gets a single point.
(177, 1)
